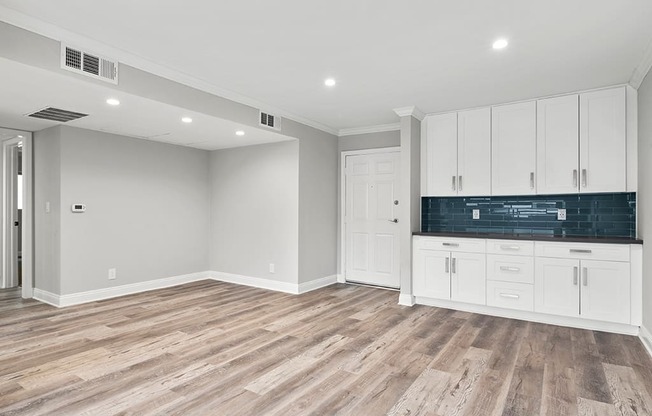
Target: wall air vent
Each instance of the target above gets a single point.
(56, 114)
(269, 120)
(90, 64)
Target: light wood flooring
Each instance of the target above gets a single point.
(211, 348)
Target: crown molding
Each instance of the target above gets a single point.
(369, 129)
(60, 34)
(642, 69)
(410, 111)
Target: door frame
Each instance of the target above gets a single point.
(28, 211)
(341, 277)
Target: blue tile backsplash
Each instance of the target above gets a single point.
(591, 215)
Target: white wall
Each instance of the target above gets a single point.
(644, 196)
(147, 210)
(47, 226)
(370, 140)
(254, 206)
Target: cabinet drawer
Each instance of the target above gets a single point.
(510, 295)
(610, 252)
(511, 247)
(467, 245)
(518, 269)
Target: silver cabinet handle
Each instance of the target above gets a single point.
(506, 247)
(577, 250)
(575, 275)
(531, 180)
(510, 269)
(509, 295)
(451, 244)
(584, 178)
(459, 182)
(454, 264)
(447, 267)
(453, 183)
(585, 279)
(395, 220)
(575, 178)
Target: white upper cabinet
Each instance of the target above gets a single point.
(603, 141)
(457, 154)
(474, 152)
(558, 145)
(513, 149)
(440, 142)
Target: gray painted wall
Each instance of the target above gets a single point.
(370, 140)
(147, 210)
(254, 205)
(47, 226)
(318, 209)
(644, 197)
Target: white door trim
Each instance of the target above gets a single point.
(28, 211)
(341, 277)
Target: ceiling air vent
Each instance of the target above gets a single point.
(90, 64)
(57, 114)
(270, 121)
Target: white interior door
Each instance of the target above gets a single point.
(370, 221)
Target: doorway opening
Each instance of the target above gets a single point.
(17, 213)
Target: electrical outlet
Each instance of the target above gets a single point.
(561, 214)
(271, 268)
(476, 214)
(112, 274)
(47, 207)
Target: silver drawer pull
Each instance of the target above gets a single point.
(510, 269)
(506, 247)
(577, 250)
(450, 244)
(509, 295)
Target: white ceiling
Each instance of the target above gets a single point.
(32, 89)
(434, 54)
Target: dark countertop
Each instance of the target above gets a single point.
(531, 237)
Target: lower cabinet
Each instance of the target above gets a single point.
(591, 289)
(450, 275)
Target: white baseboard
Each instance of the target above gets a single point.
(318, 283)
(646, 339)
(256, 282)
(112, 292)
(406, 299)
(341, 278)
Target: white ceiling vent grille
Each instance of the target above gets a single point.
(269, 120)
(90, 64)
(57, 114)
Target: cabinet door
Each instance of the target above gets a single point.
(558, 145)
(441, 155)
(605, 291)
(432, 274)
(468, 278)
(603, 143)
(556, 286)
(474, 152)
(513, 149)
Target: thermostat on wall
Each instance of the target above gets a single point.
(78, 207)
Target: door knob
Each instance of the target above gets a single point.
(395, 220)
(16, 223)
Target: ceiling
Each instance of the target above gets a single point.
(135, 116)
(434, 54)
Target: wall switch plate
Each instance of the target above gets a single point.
(476, 214)
(561, 214)
(112, 274)
(47, 207)
(271, 268)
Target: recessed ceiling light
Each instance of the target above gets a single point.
(329, 82)
(186, 119)
(240, 133)
(500, 44)
(20, 137)
(113, 101)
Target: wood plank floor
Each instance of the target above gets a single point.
(211, 348)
